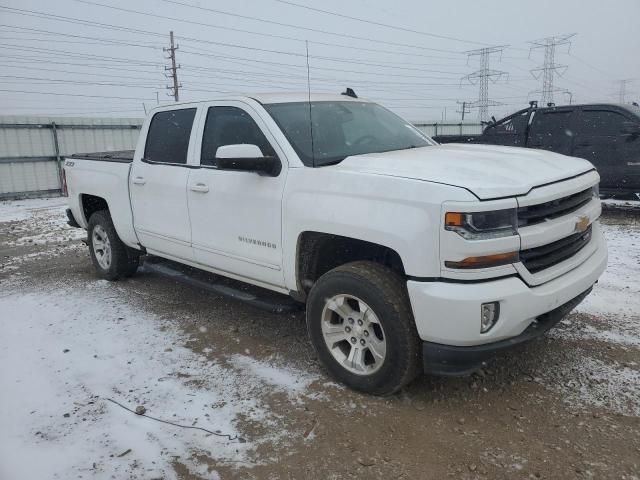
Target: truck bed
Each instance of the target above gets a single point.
(121, 156)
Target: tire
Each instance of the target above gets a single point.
(111, 258)
(378, 296)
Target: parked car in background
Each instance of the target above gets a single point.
(607, 135)
(409, 255)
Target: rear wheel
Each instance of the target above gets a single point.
(111, 258)
(361, 326)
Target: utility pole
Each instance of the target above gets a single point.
(549, 68)
(623, 91)
(173, 69)
(482, 77)
(465, 109)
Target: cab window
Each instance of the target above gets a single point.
(168, 136)
(231, 126)
(601, 123)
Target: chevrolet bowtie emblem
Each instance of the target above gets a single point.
(582, 224)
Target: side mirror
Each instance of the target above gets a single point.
(247, 158)
(631, 128)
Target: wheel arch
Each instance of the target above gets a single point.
(319, 252)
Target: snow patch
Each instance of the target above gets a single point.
(598, 383)
(72, 349)
(19, 210)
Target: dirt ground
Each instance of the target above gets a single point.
(565, 406)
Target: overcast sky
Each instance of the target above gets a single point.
(415, 68)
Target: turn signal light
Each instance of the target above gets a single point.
(485, 261)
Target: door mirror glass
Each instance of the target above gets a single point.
(247, 158)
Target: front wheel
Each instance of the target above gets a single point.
(111, 258)
(361, 326)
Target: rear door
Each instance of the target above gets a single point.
(158, 185)
(601, 139)
(236, 217)
(552, 130)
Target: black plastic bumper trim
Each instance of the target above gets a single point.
(451, 360)
(72, 221)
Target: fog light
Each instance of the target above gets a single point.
(489, 314)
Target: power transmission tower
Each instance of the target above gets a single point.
(464, 109)
(482, 77)
(173, 69)
(549, 68)
(623, 91)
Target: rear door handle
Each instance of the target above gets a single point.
(199, 187)
(139, 181)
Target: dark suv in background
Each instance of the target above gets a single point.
(605, 134)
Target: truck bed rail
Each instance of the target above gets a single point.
(121, 156)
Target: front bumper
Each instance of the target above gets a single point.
(450, 360)
(447, 313)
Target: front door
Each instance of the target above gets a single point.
(158, 185)
(601, 139)
(236, 217)
(551, 130)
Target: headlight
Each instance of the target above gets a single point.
(482, 225)
(596, 190)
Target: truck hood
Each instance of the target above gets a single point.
(487, 171)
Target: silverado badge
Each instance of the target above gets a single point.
(582, 224)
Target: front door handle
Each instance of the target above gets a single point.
(139, 180)
(199, 187)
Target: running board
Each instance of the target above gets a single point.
(273, 306)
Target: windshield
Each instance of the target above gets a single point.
(342, 129)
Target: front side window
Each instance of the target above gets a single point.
(343, 129)
(231, 126)
(168, 136)
(551, 123)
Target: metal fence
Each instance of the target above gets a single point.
(433, 129)
(32, 148)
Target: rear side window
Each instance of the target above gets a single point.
(551, 123)
(168, 136)
(231, 126)
(601, 123)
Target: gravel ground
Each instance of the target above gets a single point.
(565, 406)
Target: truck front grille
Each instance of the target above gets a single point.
(545, 256)
(553, 209)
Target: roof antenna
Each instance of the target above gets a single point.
(313, 157)
(349, 93)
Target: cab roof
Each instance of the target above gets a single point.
(268, 98)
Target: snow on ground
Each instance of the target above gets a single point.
(21, 218)
(611, 315)
(19, 210)
(615, 299)
(72, 347)
(70, 350)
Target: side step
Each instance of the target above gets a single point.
(283, 305)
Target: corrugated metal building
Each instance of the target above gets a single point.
(31, 148)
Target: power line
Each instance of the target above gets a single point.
(257, 19)
(74, 95)
(371, 22)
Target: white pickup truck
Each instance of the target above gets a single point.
(411, 256)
